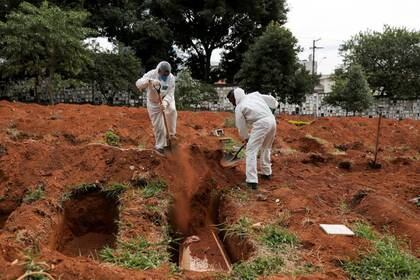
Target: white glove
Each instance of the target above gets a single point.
(154, 83)
(164, 105)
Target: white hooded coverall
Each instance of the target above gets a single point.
(253, 110)
(153, 105)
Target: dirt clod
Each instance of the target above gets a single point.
(140, 178)
(314, 159)
(345, 165)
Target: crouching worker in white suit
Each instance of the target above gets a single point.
(162, 78)
(254, 110)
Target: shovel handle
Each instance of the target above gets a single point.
(237, 153)
(168, 139)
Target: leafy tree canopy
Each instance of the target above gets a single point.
(114, 71)
(190, 93)
(390, 59)
(39, 42)
(270, 66)
(350, 90)
(199, 27)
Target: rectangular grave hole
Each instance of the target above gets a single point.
(213, 252)
(89, 223)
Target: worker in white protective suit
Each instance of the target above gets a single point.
(160, 78)
(254, 111)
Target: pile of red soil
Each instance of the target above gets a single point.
(61, 146)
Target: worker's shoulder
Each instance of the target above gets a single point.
(172, 78)
(150, 73)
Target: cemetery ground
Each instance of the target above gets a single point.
(83, 196)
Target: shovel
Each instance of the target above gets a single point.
(374, 164)
(168, 139)
(229, 161)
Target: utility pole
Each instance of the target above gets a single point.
(314, 47)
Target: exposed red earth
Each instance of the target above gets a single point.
(54, 147)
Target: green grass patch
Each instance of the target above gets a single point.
(260, 266)
(111, 138)
(34, 195)
(231, 147)
(229, 123)
(78, 190)
(299, 123)
(275, 237)
(242, 228)
(277, 251)
(237, 194)
(115, 189)
(36, 269)
(110, 190)
(386, 261)
(365, 231)
(137, 254)
(154, 188)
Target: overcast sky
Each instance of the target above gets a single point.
(335, 21)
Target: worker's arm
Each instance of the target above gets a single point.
(270, 100)
(170, 96)
(241, 124)
(144, 81)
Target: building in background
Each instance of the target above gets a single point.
(308, 63)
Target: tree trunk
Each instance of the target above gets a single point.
(49, 82)
(207, 66)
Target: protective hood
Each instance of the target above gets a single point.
(164, 66)
(239, 95)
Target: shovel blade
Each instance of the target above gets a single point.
(230, 161)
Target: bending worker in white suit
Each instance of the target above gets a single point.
(162, 78)
(254, 110)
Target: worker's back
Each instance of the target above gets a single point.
(253, 107)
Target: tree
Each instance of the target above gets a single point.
(199, 27)
(246, 31)
(304, 83)
(41, 42)
(270, 66)
(390, 59)
(350, 90)
(114, 71)
(132, 24)
(190, 93)
(126, 21)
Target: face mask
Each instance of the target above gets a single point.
(163, 78)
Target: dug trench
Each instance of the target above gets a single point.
(3, 217)
(7, 207)
(194, 216)
(87, 224)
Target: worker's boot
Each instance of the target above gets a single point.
(266, 177)
(252, 186)
(160, 152)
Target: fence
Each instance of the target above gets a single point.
(397, 109)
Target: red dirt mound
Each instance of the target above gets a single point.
(60, 146)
